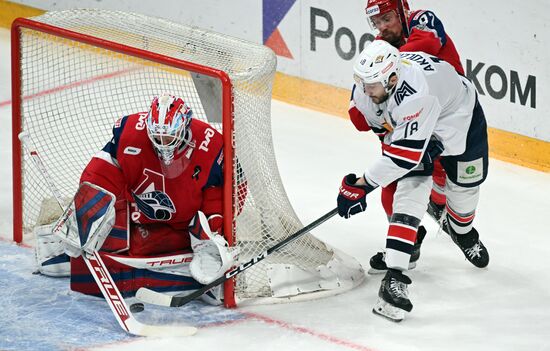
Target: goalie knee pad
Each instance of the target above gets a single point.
(49, 253)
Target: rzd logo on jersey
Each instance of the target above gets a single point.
(150, 198)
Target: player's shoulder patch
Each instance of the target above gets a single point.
(127, 130)
(403, 91)
(427, 21)
(205, 136)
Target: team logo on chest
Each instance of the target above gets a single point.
(151, 198)
(402, 92)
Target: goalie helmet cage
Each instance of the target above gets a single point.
(75, 72)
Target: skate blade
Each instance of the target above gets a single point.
(388, 311)
(374, 271)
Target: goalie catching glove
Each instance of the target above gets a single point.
(212, 256)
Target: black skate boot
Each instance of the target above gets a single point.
(421, 233)
(435, 210)
(471, 246)
(393, 296)
(438, 214)
(378, 261)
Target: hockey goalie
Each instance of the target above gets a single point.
(150, 202)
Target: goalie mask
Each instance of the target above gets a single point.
(168, 126)
(377, 63)
(380, 7)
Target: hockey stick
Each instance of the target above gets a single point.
(157, 298)
(100, 273)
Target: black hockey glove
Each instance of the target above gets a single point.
(351, 199)
(433, 150)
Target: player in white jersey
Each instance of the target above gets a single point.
(417, 103)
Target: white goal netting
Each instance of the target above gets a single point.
(73, 90)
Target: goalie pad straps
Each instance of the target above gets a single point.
(51, 259)
(85, 224)
(212, 256)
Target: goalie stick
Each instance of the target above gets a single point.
(156, 298)
(101, 275)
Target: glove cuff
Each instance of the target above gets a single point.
(351, 179)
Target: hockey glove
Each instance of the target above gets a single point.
(433, 150)
(351, 199)
(211, 254)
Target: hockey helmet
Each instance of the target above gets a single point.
(376, 64)
(379, 7)
(168, 123)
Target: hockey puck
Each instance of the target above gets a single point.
(137, 307)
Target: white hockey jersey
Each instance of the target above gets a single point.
(430, 99)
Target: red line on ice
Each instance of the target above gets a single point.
(74, 85)
(302, 330)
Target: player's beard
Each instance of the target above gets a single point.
(394, 39)
(378, 100)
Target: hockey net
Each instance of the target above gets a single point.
(75, 72)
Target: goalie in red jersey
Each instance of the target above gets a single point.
(419, 30)
(164, 169)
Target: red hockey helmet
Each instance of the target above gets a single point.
(168, 125)
(379, 7)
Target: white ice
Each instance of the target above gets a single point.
(456, 306)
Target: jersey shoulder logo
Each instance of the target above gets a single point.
(402, 92)
(131, 150)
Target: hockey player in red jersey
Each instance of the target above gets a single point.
(417, 103)
(164, 168)
(407, 30)
(419, 30)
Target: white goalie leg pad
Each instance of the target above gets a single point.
(211, 258)
(388, 311)
(214, 296)
(51, 259)
(87, 221)
(177, 264)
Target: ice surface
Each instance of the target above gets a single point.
(456, 306)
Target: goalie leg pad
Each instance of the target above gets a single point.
(214, 296)
(129, 279)
(49, 253)
(85, 224)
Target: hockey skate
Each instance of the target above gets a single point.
(435, 211)
(378, 261)
(393, 300)
(472, 248)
